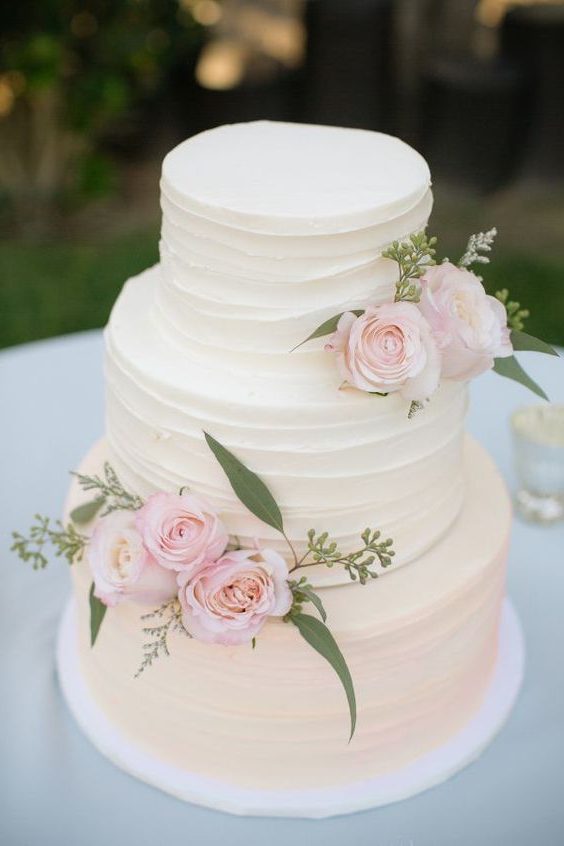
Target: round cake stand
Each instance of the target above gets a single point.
(428, 771)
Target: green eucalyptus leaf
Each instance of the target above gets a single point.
(97, 613)
(250, 489)
(511, 369)
(87, 511)
(328, 327)
(320, 638)
(308, 591)
(522, 341)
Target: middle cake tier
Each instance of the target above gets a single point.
(335, 460)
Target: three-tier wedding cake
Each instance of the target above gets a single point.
(270, 231)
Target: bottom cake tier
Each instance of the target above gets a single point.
(422, 645)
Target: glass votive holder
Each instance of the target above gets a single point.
(538, 444)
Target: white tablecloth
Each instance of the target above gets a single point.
(56, 790)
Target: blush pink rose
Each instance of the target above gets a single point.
(388, 348)
(122, 568)
(229, 601)
(470, 326)
(181, 532)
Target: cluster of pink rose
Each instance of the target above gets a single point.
(175, 546)
(455, 331)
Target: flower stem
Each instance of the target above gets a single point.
(300, 563)
(293, 551)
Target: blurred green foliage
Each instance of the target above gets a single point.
(71, 69)
(536, 282)
(51, 289)
(60, 287)
(102, 53)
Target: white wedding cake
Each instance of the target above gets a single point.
(268, 231)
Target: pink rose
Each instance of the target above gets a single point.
(388, 348)
(181, 531)
(470, 327)
(228, 601)
(121, 566)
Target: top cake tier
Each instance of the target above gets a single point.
(294, 179)
(269, 229)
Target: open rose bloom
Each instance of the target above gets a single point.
(470, 326)
(181, 531)
(389, 348)
(228, 601)
(122, 568)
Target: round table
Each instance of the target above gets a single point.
(56, 790)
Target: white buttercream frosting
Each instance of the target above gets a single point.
(268, 230)
(420, 644)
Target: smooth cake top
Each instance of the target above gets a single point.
(294, 179)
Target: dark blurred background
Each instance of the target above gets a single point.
(93, 94)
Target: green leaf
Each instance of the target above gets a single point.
(511, 369)
(87, 511)
(522, 341)
(308, 591)
(320, 638)
(97, 613)
(328, 327)
(249, 488)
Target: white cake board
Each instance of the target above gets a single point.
(428, 771)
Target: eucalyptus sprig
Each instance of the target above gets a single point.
(412, 256)
(322, 550)
(169, 616)
(481, 242)
(515, 314)
(111, 495)
(65, 540)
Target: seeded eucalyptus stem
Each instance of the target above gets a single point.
(300, 566)
(412, 256)
(357, 563)
(515, 314)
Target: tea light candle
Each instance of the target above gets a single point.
(538, 442)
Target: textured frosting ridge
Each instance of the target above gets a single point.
(258, 248)
(421, 645)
